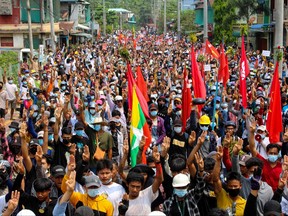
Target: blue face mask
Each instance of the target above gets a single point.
(272, 158)
(85, 104)
(97, 127)
(180, 192)
(80, 84)
(178, 129)
(63, 87)
(10, 81)
(12, 130)
(213, 93)
(35, 114)
(93, 192)
(217, 106)
(50, 137)
(79, 133)
(25, 83)
(27, 75)
(92, 98)
(153, 113)
(179, 113)
(204, 128)
(99, 107)
(92, 111)
(40, 141)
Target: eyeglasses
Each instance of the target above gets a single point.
(118, 101)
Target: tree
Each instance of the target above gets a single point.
(187, 21)
(224, 19)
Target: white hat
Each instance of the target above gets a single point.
(25, 212)
(262, 128)
(156, 213)
(118, 97)
(53, 120)
(40, 134)
(180, 180)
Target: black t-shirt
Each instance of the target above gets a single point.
(80, 143)
(115, 151)
(177, 207)
(60, 153)
(208, 200)
(179, 144)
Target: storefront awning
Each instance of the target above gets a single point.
(82, 34)
(262, 27)
(83, 27)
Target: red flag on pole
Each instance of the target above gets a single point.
(223, 65)
(142, 100)
(210, 49)
(244, 71)
(274, 119)
(141, 83)
(186, 101)
(226, 73)
(198, 82)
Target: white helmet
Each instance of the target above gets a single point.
(156, 213)
(180, 180)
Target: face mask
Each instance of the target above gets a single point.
(263, 136)
(93, 192)
(79, 133)
(226, 109)
(99, 107)
(66, 141)
(63, 87)
(179, 91)
(272, 158)
(97, 127)
(204, 128)
(180, 192)
(25, 83)
(35, 114)
(153, 113)
(178, 129)
(179, 113)
(10, 81)
(92, 111)
(92, 98)
(26, 75)
(107, 182)
(213, 93)
(112, 88)
(233, 192)
(12, 130)
(50, 137)
(40, 141)
(217, 106)
(80, 84)
(85, 104)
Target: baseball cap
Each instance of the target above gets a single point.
(79, 125)
(14, 124)
(153, 106)
(243, 159)
(40, 134)
(178, 122)
(84, 210)
(92, 180)
(58, 171)
(272, 207)
(99, 102)
(34, 142)
(118, 97)
(262, 128)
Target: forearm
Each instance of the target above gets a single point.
(226, 159)
(251, 204)
(192, 154)
(158, 178)
(235, 164)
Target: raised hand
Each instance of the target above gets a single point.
(285, 163)
(227, 140)
(38, 155)
(20, 166)
(238, 147)
(202, 138)
(142, 142)
(72, 149)
(165, 146)
(192, 137)
(13, 202)
(23, 130)
(283, 180)
(285, 136)
(156, 154)
(219, 154)
(70, 183)
(199, 161)
(253, 125)
(72, 164)
(86, 154)
(125, 147)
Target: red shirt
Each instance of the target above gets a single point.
(269, 174)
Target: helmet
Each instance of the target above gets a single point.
(204, 119)
(180, 180)
(230, 123)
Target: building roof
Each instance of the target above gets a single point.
(23, 28)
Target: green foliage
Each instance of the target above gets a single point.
(224, 18)
(124, 53)
(246, 8)
(8, 58)
(244, 30)
(187, 21)
(193, 38)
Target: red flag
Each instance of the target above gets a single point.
(98, 34)
(198, 82)
(210, 49)
(141, 83)
(226, 73)
(223, 65)
(142, 100)
(274, 119)
(120, 37)
(134, 43)
(244, 71)
(186, 101)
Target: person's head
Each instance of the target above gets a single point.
(272, 208)
(84, 210)
(178, 164)
(97, 124)
(204, 122)
(272, 151)
(209, 164)
(180, 184)
(57, 175)
(115, 170)
(1, 85)
(119, 101)
(261, 131)
(252, 164)
(233, 180)
(46, 162)
(153, 110)
(42, 187)
(104, 169)
(242, 163)
(135, 182)
(218, 212)
(92, 185)
(66, 135)
(230, 127)
(79, 129)
(178, 126)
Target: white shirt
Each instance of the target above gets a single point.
(3, 98)
(142, 204)
(11, 91)
(114, 194)
(261, 148)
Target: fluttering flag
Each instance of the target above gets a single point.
(274, 118)
(210, 49)
(120, 37)
(244, 71)
(197, 80)
(223, 64)
(226, 74)
(139, 127)
(142, 84)
(186, 100)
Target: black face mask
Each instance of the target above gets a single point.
(66, 141)
(233, 192)
(33, 150)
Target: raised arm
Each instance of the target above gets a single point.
(216, 171)
(252, 146)
(58, 113)
(158, 179)
(235, 158)
(24, 148)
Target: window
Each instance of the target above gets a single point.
(6, 41)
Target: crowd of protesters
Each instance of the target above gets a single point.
(67, 150)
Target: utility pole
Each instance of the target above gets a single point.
(52, 26)
(30, 28)
(92, 27)
(104, 18)
(279, 20)
(165, 22)
(178, 19)
(205, 19)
